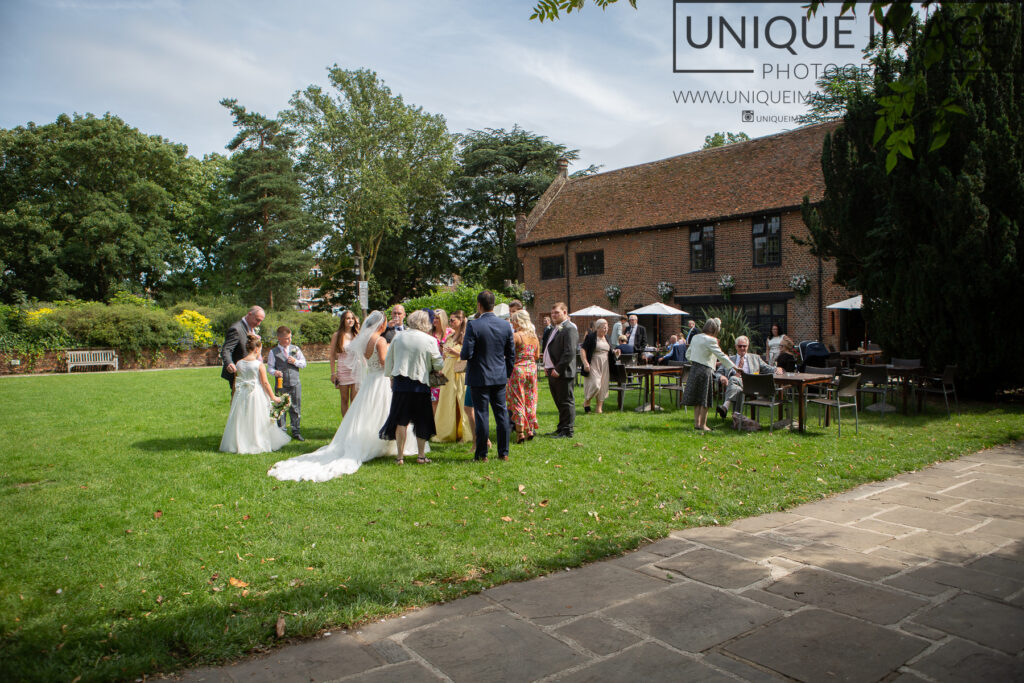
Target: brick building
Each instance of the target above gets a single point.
(689, 220)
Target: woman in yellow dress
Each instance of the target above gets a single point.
(448, 419)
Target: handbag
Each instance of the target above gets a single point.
(460, 366)
(437, 379)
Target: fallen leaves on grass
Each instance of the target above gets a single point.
(158, 514)
(279, 627)
(506, 519)
(237, 583)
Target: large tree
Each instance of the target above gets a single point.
(269, 235)
(372, 164)
(501, 173)
(935, 244)
(87, 207)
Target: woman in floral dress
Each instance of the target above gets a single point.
(521, 394)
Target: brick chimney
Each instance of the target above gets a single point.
(563, 167)
(520, 226)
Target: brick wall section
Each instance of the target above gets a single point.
(636, 262)
(56, 361)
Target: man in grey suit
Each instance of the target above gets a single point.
(490, 353)
(732, 380)
(233, 349)
(560, 367)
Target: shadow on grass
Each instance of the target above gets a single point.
(211, 442)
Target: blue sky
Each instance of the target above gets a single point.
(600, 82)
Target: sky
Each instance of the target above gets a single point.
(601, 82)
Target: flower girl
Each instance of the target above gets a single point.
(250, 428)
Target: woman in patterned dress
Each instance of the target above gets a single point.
(521, 394)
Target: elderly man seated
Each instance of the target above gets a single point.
(732, 380)
(676, 350)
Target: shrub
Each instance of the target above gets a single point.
(734, 324)
(125, 327)
(122, 298)
(198, 327)
(31, 331)
(463, 297)
(318, 328)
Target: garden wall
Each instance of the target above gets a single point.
(56, 361)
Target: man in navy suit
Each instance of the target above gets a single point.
(489, 352)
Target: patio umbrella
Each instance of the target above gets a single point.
(854, 303)
(595, 312)
(659, 309)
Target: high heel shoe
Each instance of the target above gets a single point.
(521, 439)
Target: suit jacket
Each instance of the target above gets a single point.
(753, 360)
(640, 343)
(390, 332)
(233, 349)
(562, 349)
(691, 332)
(545, 336)
(677, 352)
(489, 350)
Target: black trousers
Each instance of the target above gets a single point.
(494, 395)
(565, 401)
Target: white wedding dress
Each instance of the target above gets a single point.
(249, 428)
(357, 439)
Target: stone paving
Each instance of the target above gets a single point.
(919, 578)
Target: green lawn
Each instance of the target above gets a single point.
(124, 527)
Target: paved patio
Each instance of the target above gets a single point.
(917, 578)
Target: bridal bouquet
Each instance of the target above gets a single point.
(279, 409)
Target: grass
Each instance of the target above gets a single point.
(126, 533)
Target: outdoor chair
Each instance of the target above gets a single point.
(620, 383)
(907, 362)
(675, 384)
(759, 391)
(818, 390)
(874, 379)
(942, 385)
(627, 358)
(845, 389)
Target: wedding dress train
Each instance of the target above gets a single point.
(356, 440)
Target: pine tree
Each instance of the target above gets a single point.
(269, 235)
(935, 245)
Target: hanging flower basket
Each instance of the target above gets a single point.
(528, 296)
(726, 283)
(800, 284)
(613, 292)
(666, 290)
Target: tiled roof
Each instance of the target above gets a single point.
(741, 178)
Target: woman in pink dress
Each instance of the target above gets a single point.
(342, 373)
(440, 333)
(521, 393)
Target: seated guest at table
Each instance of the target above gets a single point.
(676, 350)
(624, 345)
(732, 380)
(774, 343)
(787, 355)
(702, 353)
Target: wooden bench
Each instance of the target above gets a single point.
(90, 357)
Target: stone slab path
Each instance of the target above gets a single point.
(919, 578)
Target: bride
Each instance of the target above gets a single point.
(356, 440)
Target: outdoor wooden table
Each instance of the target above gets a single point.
(647, 372)
(800, 380)
(906, 376)
(859, 356)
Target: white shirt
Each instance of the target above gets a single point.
(632, 336)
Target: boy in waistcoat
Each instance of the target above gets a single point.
(285, 361)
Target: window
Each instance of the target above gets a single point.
(763, 314)
(590, 263)
(767, 233)
(552, 267)
(702, 248)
